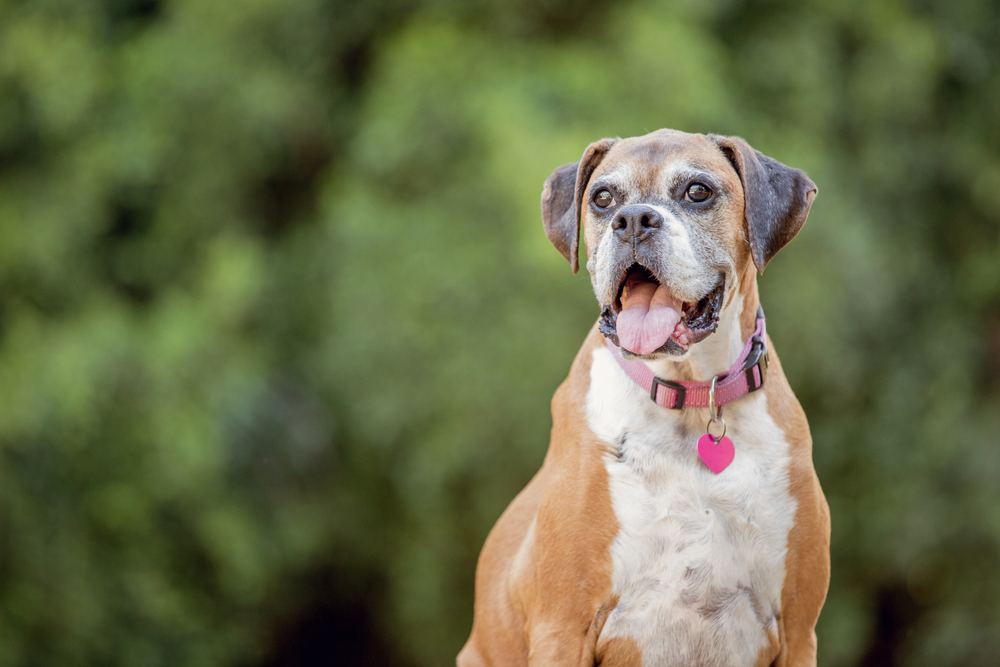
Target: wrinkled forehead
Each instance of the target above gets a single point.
(649, 164)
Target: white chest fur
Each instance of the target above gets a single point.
(699, 559)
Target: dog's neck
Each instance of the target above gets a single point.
(717, 353)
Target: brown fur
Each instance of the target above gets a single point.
(544, 576)
(807, 564)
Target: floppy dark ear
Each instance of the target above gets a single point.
(777, 198)
(562, 197)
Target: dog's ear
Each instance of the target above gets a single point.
(562, 199)
(777, 198)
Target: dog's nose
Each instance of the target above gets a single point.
(636, 222)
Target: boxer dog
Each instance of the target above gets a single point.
(677, 518)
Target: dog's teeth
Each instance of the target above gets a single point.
(624, 292)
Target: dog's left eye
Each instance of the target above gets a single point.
(604, 199)
(697, 192)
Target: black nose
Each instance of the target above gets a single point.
(636, 222)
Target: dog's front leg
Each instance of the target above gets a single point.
(564, 588)
(808, 564)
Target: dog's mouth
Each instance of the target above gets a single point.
(646, 318)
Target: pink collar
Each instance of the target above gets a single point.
(746, 376)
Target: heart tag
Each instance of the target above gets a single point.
(717, 456)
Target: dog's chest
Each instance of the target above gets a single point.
(699, 559)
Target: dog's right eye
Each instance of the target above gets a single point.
(604, 199)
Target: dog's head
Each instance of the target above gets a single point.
(671, 221)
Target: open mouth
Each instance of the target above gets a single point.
(646, 318)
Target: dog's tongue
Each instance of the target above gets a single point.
(649, 314)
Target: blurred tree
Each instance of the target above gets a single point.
(279, 327)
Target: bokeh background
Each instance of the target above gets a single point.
(279, 325)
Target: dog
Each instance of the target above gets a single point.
(677, 518)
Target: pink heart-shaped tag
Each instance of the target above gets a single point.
(717, 456)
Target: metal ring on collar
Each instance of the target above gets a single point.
(708, 429)
(714, 411)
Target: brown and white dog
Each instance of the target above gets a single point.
(625, 549)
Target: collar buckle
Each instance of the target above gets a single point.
(677, 387)
(757, 357)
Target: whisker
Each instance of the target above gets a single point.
(576, 280)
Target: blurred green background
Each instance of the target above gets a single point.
(279, 325)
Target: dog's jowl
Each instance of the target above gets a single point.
(677, 518)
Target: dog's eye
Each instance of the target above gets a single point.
(697, 192)
(604, 199)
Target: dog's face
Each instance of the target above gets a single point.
(671, 221)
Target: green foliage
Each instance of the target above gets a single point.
(279, 325)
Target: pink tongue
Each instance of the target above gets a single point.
(649, 314)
